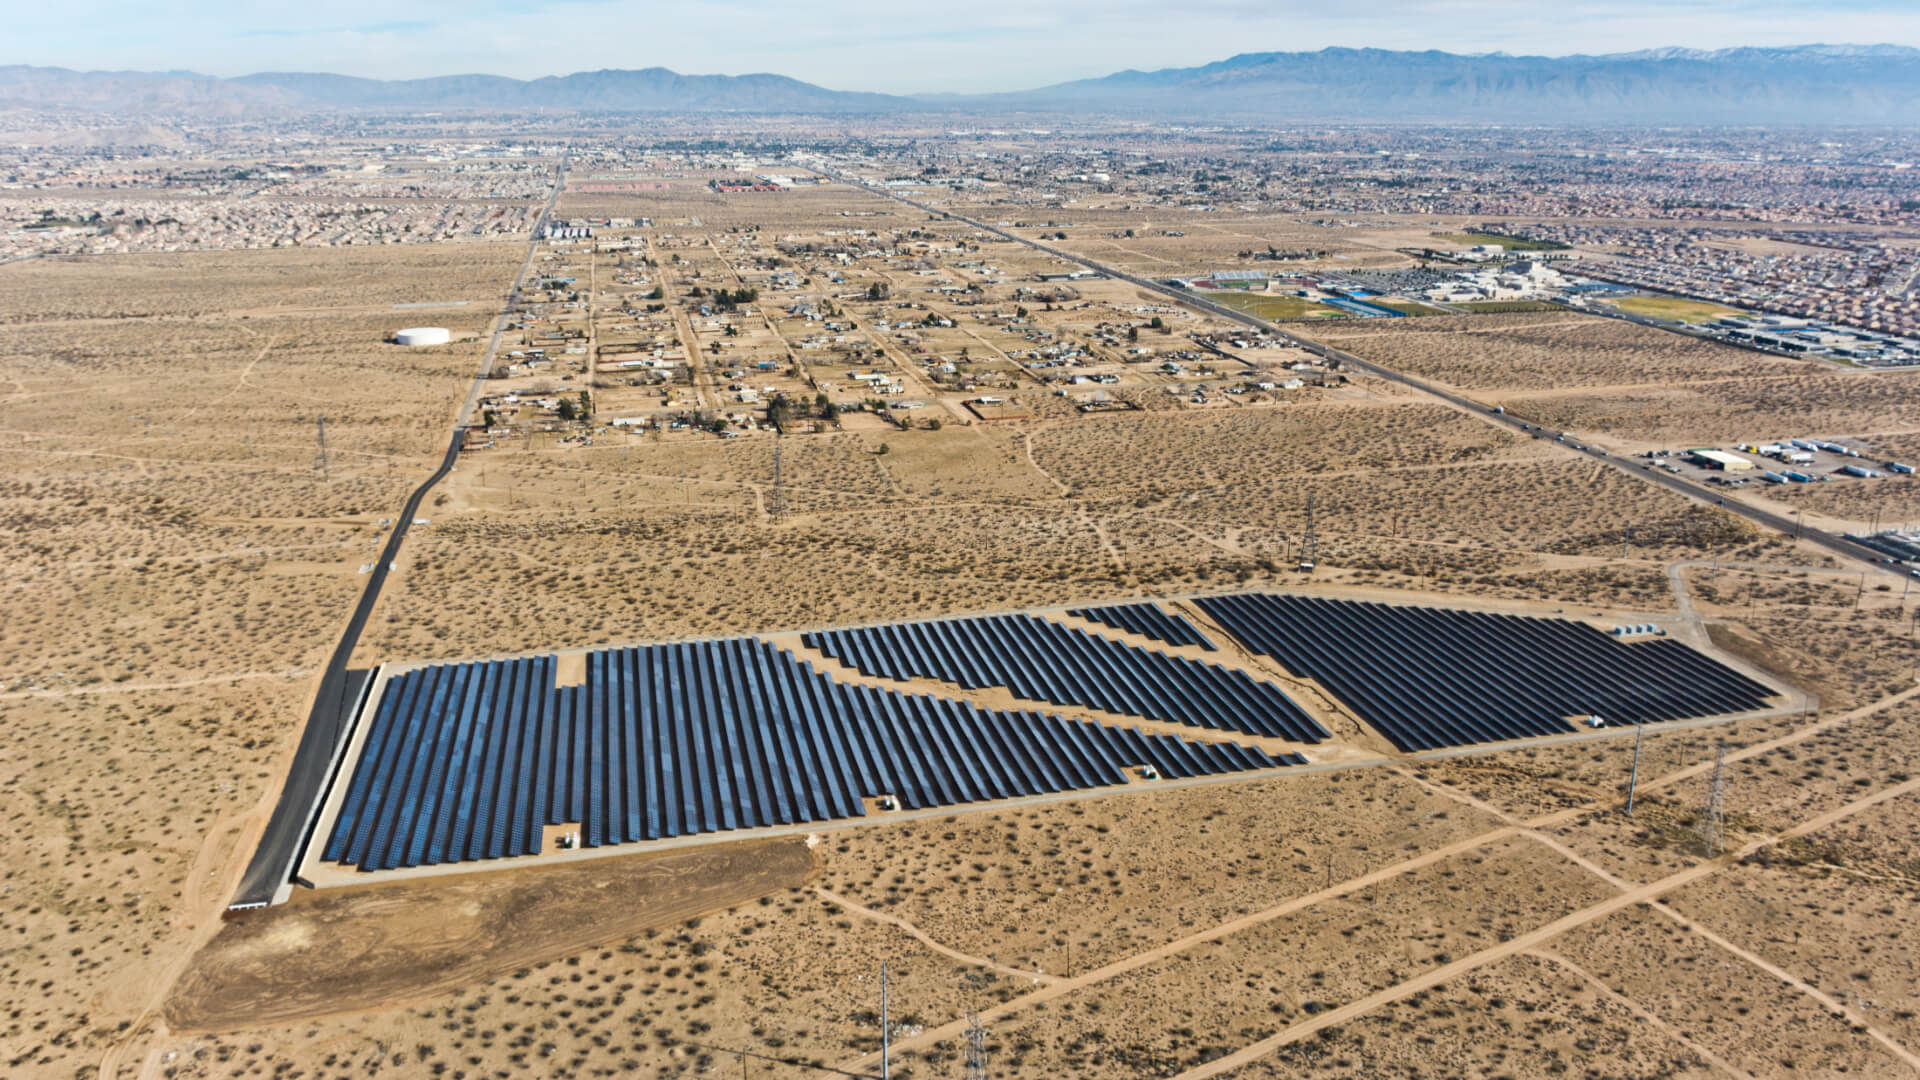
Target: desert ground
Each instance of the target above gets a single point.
(179, 567)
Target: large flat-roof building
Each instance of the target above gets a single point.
(1720, 459)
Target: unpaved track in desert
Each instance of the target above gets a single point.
(1535, 938)
(1522, 943)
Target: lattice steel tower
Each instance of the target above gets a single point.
(320, 460)
(777, 498)
(976, 1048)
(1716, 802)
(1310, 543)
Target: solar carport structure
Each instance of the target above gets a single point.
(1042, 660)
(471, 761)
(1431, 677)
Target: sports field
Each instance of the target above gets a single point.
(1673, 308)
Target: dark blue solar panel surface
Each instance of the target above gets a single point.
(1148, 621)
(1042, 660)
(1430, 677)
(471, 761)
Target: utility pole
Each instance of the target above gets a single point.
(886, 1035)
(320, 461)
(1633, 777)
(1716, 802)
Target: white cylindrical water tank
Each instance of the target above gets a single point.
(423, 335)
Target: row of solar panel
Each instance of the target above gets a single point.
(1042, 660)
(1427, 677)
(471, 761)
(1147, 620)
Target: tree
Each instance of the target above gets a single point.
(883, 449)
(586, 404)
(1159, 324)
(490, 418)
(566, 409)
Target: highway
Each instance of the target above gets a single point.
(1838, 545)
(284, 841)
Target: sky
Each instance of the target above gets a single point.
(883, 45)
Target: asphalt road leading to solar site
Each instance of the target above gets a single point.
(1778, 522)
(285, 837)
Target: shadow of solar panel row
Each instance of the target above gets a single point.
(470, 761)
(1041, 660)
(1148, 621)
(1430, 677)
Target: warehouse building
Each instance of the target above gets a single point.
(1720, 459)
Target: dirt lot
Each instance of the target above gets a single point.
(1634, 387)
(345, 950)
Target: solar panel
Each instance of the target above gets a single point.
(1148, 621)
(1430, 677)
(1041, 660)
(471, 761)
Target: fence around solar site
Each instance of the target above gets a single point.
(1148, 621)
(1042, 660)
(1433, 677)
(473, 761)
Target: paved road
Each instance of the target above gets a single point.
(1839, 545)
(284, 840)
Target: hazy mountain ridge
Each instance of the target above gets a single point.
(1796, 84)
(645, 90)
(1811, 84)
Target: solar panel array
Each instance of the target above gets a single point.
(470, 761)
(1147, 620)
(1042, 660)
(1429, 677)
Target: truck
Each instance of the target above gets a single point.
(1773, 478)
(1896, 467)
(1799, 477)
(1860, 471)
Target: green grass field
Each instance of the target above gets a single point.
(1507, 307)
(1409, 307)
(1274, 308)
(1673, 309)
(1511, 243)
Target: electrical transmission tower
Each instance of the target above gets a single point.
(777, 498)
(1716, 802)
(976, 1048)
(1310, 543)
(320, 460)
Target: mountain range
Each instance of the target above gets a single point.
(1808, 84)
